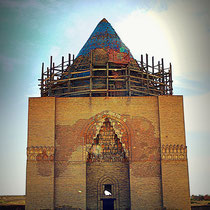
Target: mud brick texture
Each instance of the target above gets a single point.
(63, 131)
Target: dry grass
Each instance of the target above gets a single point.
(200, 203)
(12, 200)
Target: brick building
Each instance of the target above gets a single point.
(106, 133)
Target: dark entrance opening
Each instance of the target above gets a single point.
(108, 204)
(108, 189)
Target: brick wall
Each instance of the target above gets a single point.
(144, 124)
(171, 115)
(175, 185)
(40, 189)
(175, 179)
(141, 115)
(41, 122)
(70, 169)
(40, 152)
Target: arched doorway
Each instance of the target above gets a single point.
(108, 193)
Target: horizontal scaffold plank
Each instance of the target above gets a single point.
(80, 72)
(145, 92)
(110, 69)
(72, 93)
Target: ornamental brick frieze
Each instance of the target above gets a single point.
(173, 152)
(40, 153)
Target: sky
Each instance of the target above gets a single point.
(33, 30)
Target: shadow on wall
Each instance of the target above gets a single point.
(13, 207)
(200, 207)
(65, 208)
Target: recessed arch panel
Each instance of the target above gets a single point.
(119, 125)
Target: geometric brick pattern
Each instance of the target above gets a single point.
(40, 153)
(174, 152)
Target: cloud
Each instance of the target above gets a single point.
(189, 25)
(189, 87)
(143, 33)
(179, 34)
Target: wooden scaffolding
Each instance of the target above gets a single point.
(94, 78)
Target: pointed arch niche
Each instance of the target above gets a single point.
(107, 138)
(106, 146)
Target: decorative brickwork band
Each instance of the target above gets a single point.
(40, 153)
(174, 152)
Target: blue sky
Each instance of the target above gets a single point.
(32, 30)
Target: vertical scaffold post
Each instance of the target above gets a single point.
(126, 81)
(142, 62)
(50, 77)
(147, 73)
(129, 81)
(163, 76)
(153, 68)
(62, 65)
(142, 72)
(47, 80)
(170, 80)
(91, 72)
(159, 78)
(53, 72)
(51, 68)
(107, 79)
(73, 58)
(69, 74)
(42, 80)
(69, 61)
(48, 73)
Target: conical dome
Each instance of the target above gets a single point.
(104, 37)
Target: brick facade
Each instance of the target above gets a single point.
(150, 132)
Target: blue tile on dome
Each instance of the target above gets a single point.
(104, 36)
